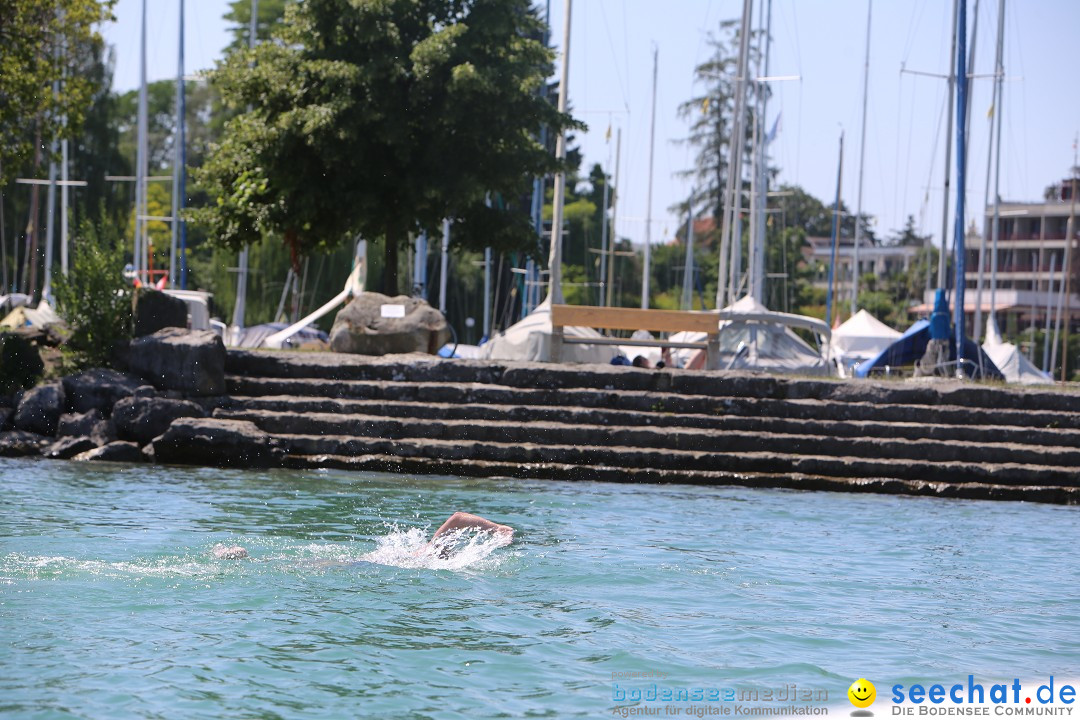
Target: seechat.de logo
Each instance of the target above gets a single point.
(862, 694)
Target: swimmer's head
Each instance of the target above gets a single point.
(229, 552)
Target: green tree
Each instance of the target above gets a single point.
(382, 118)
(711, 116)
(95, 299)
(271, 12)
(32, 34)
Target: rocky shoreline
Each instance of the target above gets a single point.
(187, 401)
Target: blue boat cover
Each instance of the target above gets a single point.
(911, 346)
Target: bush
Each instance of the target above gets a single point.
(94, 299)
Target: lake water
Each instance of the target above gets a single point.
(111, 604)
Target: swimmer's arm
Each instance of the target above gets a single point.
(467, 520)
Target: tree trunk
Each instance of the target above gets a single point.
(390, 262)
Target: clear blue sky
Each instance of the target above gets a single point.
(823, 42)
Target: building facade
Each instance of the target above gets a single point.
(1032, 253)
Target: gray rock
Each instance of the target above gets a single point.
(155, 310)
(98, 389)
(360, 327)
(17, 443)
(79, 424)
(20, 361)
(90, 424)
(145, 391)
(209, 441)
(40, 409)
(6, 416)
(68, 447)
(144, 418)
(192, 363)
(114, 452)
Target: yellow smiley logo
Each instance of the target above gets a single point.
(862, 693)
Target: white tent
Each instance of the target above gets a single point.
(1010, 361)
(529, 339)
(862, 337)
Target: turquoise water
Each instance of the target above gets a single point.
(111, 604)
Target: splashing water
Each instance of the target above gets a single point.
(455, 550)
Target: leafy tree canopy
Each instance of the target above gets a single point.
(382, 117)
(32, 33)
(270, 12)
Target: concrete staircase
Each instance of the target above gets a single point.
(423, 415)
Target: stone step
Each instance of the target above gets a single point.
(425, 369)
(792, 481)
(340, 430)
(636, 458)
(650, 402)
(630, 418)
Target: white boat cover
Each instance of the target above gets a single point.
(24, 315)
(529, 339)
(1010, 361)
(756, 343)
(862, 337)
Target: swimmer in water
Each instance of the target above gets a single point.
(229, 552)
(503, 535)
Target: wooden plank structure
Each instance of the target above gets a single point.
(617, 318)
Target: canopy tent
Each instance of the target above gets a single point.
(529, 339)
(1013, 365)
(911, 346)
(860, 338)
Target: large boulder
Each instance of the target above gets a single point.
(20, 362)
(68, 447)
(17, 443)
(363, 327)
(114, 452)
(144, 418)
(40, 409)
(213, 441)
(192, 363)
(91, 424)
(98, 389)
(79, 424)
(6, 416)
(155, 310)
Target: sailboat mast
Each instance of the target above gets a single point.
(732, 186)
(604, 239)
(614, 235)
(948, 152)
(999, 77)
(961, 178)
(46, 288)
(862, 158)
(757, 269)
(487, 293)
(688, 267)
(140, 159)
(835, 235)
(977, 330)
(178, 157)
(555, 253)
(64, 180)
(648, 200)
(444, 262)
(239, 310)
